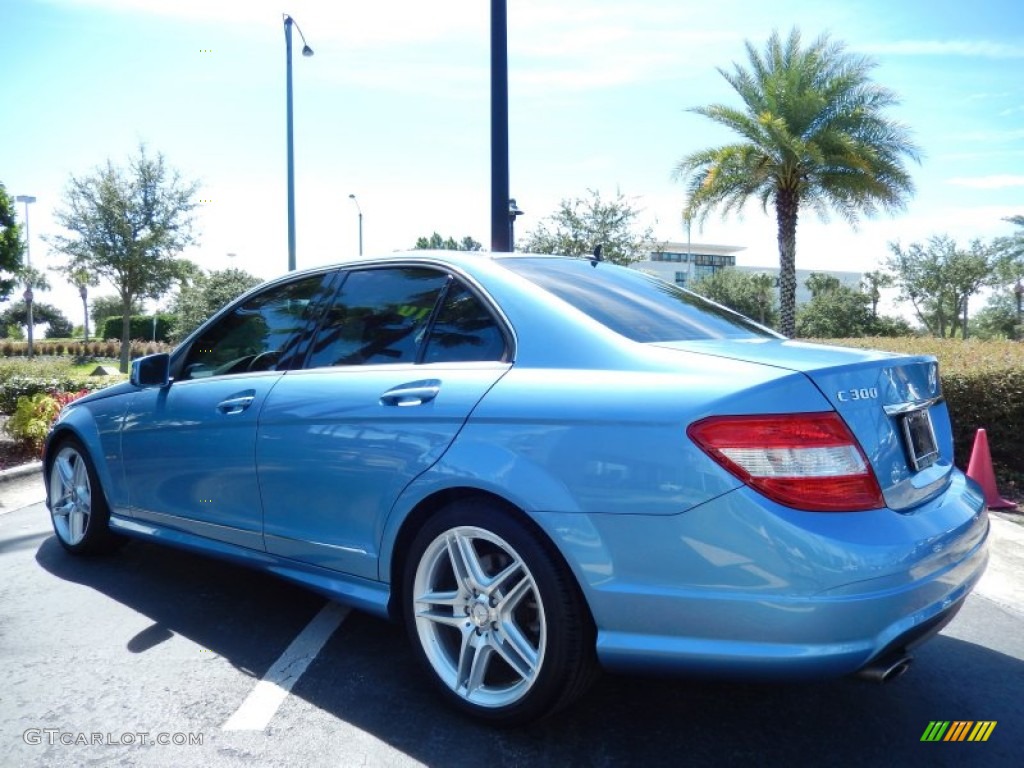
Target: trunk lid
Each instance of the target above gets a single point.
(891, 402)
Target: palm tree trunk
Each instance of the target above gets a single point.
(786, 211)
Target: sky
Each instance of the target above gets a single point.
(394, 108)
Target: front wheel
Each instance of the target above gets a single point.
(77, 507)
(495, 617)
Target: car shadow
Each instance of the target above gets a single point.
(244, 616)
(367, 677)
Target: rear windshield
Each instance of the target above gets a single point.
(639, 306)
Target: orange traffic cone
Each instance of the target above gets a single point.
(979, 469)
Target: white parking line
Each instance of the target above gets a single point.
(264, 700)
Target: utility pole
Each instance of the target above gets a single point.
(501, 212)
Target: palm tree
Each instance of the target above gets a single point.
(83, 279)
(872, 284)
(33, 280)
(820, 283)
(813, 134)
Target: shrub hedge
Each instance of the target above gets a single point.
(983, 382)
(140, 327)
(111, 348)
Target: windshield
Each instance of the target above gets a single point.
(634, 304)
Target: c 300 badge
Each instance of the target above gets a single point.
(851, 395)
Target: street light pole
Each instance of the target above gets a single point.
(26, 199)
(306, 51)
(352, 197)
(501, 217)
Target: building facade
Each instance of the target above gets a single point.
(685, 263)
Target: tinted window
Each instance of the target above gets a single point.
(464, 330)
(259, 335)
(378, 316)
(639, 306)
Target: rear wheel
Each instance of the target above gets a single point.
(495, 617)
(78, 508)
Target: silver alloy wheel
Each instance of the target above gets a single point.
(70, 495)
(479, 616)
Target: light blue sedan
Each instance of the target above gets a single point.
(542, 466)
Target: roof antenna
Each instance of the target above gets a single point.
(597, 255)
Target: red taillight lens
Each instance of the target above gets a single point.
(808, 461)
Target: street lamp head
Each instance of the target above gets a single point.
(25, 199)
(289, 22)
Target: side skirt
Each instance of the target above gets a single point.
(364, 594)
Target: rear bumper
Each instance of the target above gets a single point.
(739, 588)
(886, 629)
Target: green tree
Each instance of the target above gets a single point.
(59, 328)
(812, 134)
(887, 325)
(128, 226)
(839, 312)
(11, 246)
(998, 318)
(1012, 247)
(17, 314)
(437, 243)
(938, 279)
(749, 294)
(204, 295)
(581, 224)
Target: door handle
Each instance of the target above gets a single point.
(235, 404)
(413, 393)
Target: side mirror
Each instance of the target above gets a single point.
(151, 371)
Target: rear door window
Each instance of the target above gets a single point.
(378, 316)
(464, 330)
(405, 315)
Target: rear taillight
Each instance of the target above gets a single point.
(808, 461)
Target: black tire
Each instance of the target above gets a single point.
(508, 641)
(78, 508)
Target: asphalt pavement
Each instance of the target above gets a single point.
(102, 657)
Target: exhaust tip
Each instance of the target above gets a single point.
(887, 669)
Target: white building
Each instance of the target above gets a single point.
(686, 263)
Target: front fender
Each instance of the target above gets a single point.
(97, 425)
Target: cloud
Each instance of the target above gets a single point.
(988, 49)
(362, 25)
(995, 181)
(570, 46)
